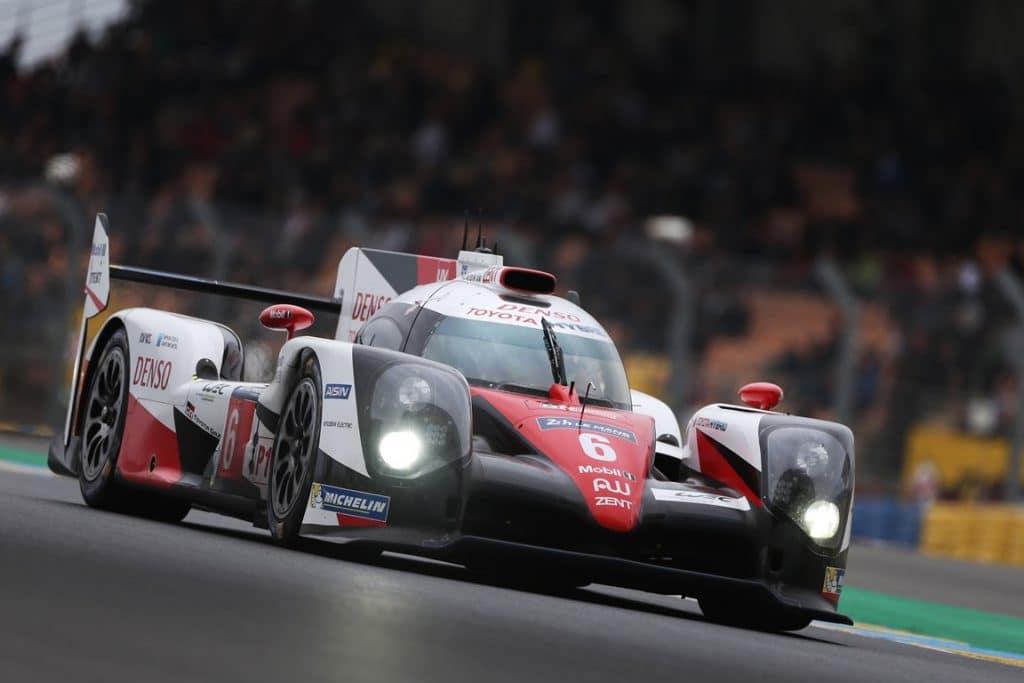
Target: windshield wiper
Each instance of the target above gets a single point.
(554, 353)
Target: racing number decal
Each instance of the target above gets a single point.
(230, 439)
(237, 433)
(597, 447)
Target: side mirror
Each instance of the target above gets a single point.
(761, 395)
(286, 317)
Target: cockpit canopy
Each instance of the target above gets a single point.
(497, 341)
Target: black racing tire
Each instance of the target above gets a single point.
(733, 612)
(104, 411)
(296, 445)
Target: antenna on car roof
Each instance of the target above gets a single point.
(583, 406)
(465, 228)
(481, 241)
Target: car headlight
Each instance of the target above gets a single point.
(821, 519)
(414, 416)
(400, 450)
(808, 477)
(414, 393)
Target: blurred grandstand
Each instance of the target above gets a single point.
(256, 141)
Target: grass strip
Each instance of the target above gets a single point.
(986, 630)
(22, 457)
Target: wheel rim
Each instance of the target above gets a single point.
(106, 396)
(294, 448)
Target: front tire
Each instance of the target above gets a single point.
(103, 421)
(295, 448)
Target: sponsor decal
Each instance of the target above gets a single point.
(337, 391)
(611, 501)
(280, 314)
(349, 502)
(707, 423)
(259, 466)
(218, 388)
(146, 338)
(190, 412)
(621, 488)
(237, 433)
(833, 584)
(338, 424)
(528, 315)
(573, 423)
(167, 341)
(366, 304)
(486, 276)
(152, 372)
(701, 498)
(99, 249)
(95, 277)
(607, 471)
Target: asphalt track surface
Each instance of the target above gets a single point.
(94, 596)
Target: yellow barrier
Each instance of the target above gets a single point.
(981, 532)
(958, 458)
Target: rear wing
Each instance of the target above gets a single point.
(370, 278)
(97, 297)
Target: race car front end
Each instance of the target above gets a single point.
(772, 541)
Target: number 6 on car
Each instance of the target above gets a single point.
(597, 447)
(427, 426)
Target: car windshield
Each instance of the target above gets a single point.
(512, 357)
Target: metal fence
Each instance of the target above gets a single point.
(924, 364)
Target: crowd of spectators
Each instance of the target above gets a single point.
(257, 141)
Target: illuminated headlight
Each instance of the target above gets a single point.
(414, 393)
(808, 477)
(821, 520)
(400, 450)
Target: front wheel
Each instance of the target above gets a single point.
(104, 412)
(294, 455)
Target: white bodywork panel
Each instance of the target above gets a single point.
(665, 422)
(339, 429)
(165, 348)
(737, 430)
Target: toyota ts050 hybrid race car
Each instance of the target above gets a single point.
(464, 413)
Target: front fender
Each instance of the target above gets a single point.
(348, 372)
(164, 349)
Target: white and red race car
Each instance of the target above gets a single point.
(462, 412)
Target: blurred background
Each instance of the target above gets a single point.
(826, 195)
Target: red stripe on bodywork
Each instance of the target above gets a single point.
(145, 438)
(95, 299)
(353, 521)
(714, 465)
